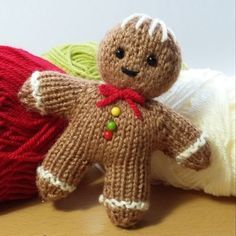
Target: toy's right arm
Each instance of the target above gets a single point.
(51, 92)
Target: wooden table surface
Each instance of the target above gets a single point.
(173, 212)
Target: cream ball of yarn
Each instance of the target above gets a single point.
(207, 98)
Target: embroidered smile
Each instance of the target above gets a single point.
(128, 72)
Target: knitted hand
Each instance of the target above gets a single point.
(117, 124)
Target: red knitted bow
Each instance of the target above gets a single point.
(113, 94)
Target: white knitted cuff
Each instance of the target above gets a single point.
(34, 81)
(193, 148)
(113, 203)
(53, 180)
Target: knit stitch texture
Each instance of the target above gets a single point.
(25, 136)
(140, 55)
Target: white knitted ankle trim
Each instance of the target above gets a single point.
(35, 91)
(113, 203)
(200, 142)
(53, 180)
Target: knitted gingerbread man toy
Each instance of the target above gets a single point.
(117, 123)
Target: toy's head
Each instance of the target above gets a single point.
(141, 54)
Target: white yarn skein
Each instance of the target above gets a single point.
(207, 98)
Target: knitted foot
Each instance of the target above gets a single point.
(124, 213)
(61, 170)
(50, 187)
(124, 218)
(126, 191)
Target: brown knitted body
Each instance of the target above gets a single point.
(126, 156)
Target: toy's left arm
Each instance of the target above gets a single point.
(179, 139)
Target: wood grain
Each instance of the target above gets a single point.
(173, 212)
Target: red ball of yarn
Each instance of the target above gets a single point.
(25, 136)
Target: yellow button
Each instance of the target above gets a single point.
(115, 111)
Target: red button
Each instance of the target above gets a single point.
(107, 135)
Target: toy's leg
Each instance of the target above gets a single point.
(126, 191)
(62, 168)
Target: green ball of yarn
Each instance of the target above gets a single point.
(76, 59)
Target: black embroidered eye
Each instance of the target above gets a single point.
(120, 53)
(151, 60)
